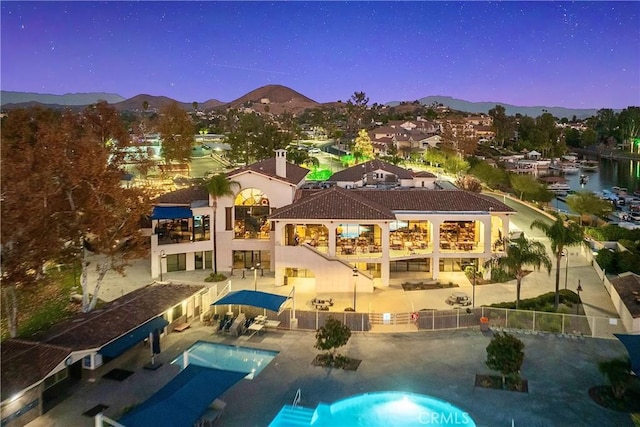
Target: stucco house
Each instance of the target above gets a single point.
(375, 219)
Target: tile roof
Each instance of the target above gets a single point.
(423, 174)
(626, 284)
(356, 173)
(267, 167)
(25, 363)
(374, 204)
(183, 196)
(101, 326)
(333, 203)
(421, 200)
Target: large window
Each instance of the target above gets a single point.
(251, 215)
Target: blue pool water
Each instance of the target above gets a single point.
(377, 409)
(228, 357)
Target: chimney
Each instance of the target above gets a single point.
(281, 163)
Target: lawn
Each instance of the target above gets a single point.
(45, 304)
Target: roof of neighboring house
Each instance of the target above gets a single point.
(333, 203)
(183, 196)
(25, 363)
(355, 173)
(374, 204)
(423, 174)
(267, 167)
(101, 326)
(626, 284)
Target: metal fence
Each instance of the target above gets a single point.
(497, 319)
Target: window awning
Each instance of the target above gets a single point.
(253, 298)
(184, 399)
(171, 212)
(123, 343)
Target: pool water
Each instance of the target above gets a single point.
(377, 409)
(227, 357)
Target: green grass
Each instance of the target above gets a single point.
(319, 175)
(45, 304)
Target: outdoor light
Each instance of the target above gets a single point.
(355, 281)
(163, 257)
(255, 276)
(578, 289)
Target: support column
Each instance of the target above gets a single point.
(385, 274)
(331, 238)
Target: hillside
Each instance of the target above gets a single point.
(280, 98)
(511, 110)
(10, 97)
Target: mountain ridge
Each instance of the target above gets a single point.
(270, 98)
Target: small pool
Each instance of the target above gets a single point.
(386, 409)
(227, 357)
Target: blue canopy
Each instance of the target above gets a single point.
(171, 212)
(253, 298)
(123, 343)
(184, 399)
(632, 343)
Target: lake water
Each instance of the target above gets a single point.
(621, 173)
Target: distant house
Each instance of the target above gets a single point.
(625, 295)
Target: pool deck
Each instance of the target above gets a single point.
(440, 364)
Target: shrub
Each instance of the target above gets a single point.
(215, 277)
(505, 354)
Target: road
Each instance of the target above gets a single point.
(526, 215)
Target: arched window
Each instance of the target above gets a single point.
(251, 215)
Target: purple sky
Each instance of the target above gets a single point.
(579, 55)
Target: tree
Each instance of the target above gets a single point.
(356, 107)
(502, 124)
(586, 203)
(560, 234)
(618, 373)
(218, 186)
(331, 336)
(468, 183)
(629, 122)
(519, 253)
(176, 130)
(525, 185)
(302, 157)
(74, 193)
(505, 354)
(363, 145)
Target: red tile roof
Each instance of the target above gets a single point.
(333, 203)
(295, 173)
(421, 200)
(338, 203)
(356, 173)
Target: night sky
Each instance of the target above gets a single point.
(578, 55)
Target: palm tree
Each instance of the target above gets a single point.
(618, 372)
(519, 253)
(560, 234)
(218, 186)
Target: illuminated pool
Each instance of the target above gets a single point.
(227, 357)
(386, 409)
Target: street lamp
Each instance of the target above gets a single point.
(163, 257)
(565, 253)
(255, 276)
(475, 271)
(355, 281)
(579, 289)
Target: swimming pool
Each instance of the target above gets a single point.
(227, 357)
(389, 408)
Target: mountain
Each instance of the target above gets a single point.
(155, 103)
(9, 97)
(277, 99)
(510, 110)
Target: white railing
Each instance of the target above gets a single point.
(296, 398)
(102, 420)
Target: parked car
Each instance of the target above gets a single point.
(314, 151)
(458, 298)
